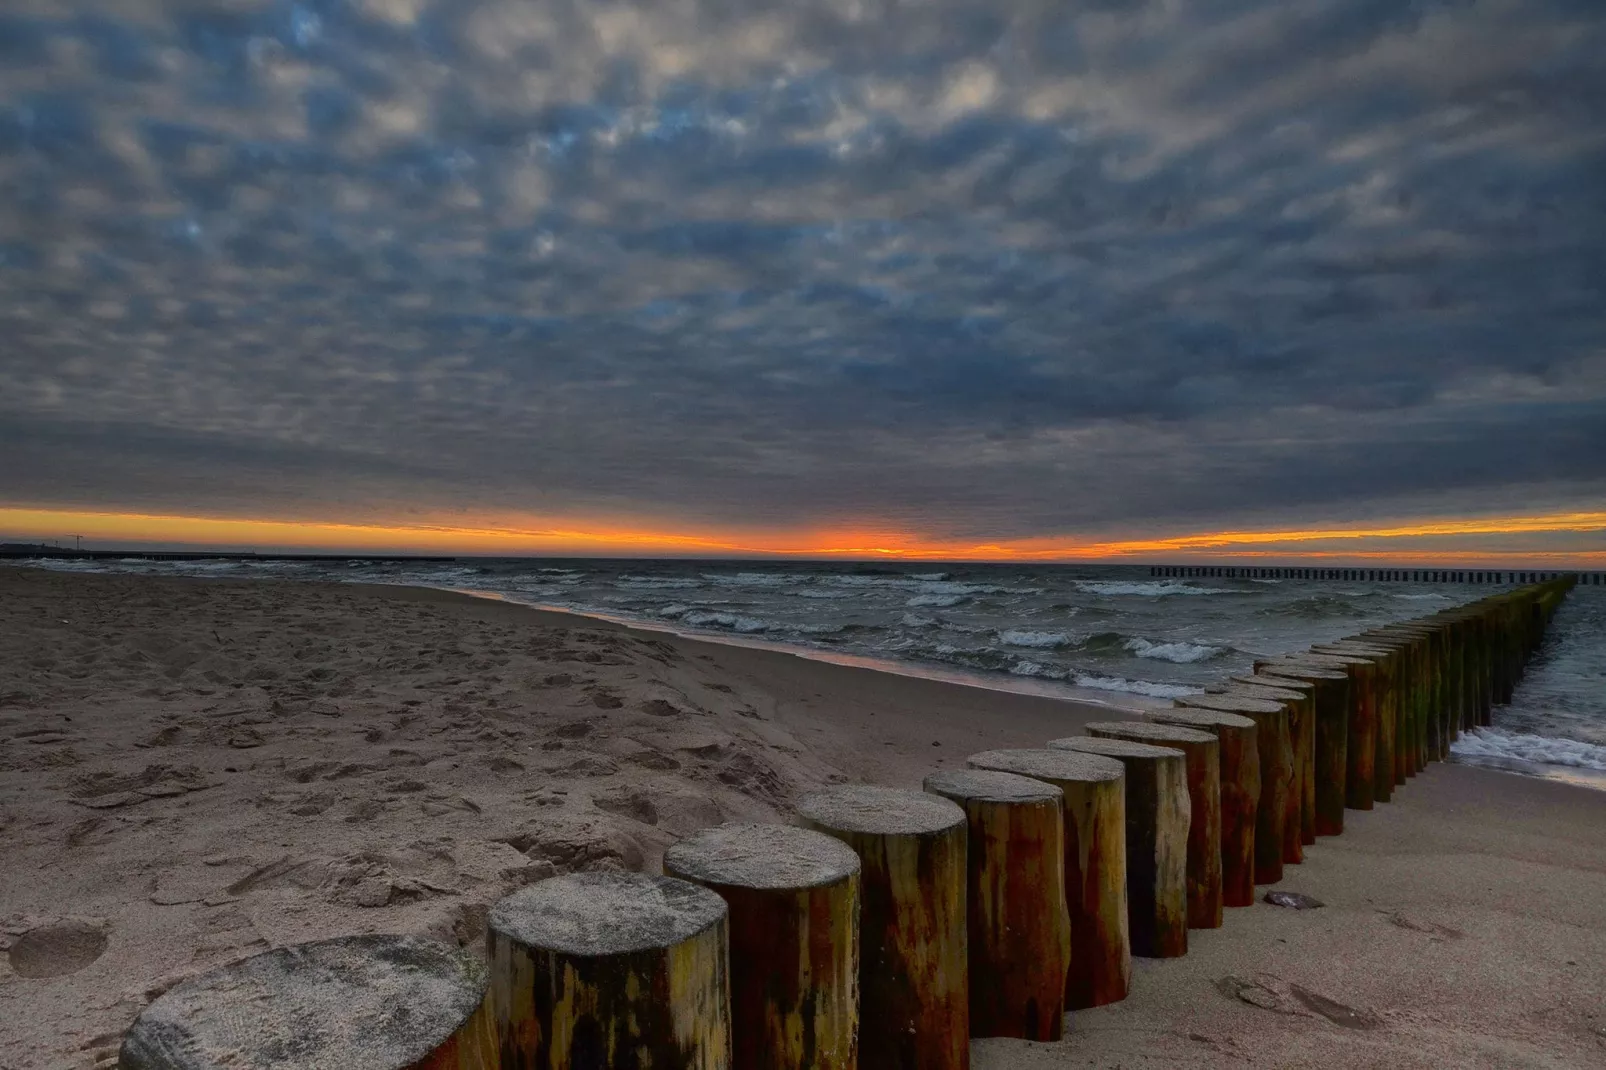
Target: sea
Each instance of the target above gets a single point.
(1109, 634)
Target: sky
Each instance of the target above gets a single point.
(942, 278)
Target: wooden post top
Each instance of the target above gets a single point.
(1326, 661)
(865, 808)
(1122, 749)
(356, 1002)
(1305, 671)
(1201, 719)
(1150, 732)
(992, 786)
(762, 857)
(1268, 691)
(589, 915)
(1051, 765)
(1229, 703)
(1360, 650)
(1287, 683)
(1390, 640)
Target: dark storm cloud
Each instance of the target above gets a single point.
(977, 268)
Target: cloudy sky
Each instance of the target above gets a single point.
(954, 270)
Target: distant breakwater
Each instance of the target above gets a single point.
(1378, 575)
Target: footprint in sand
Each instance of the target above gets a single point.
(58, 949)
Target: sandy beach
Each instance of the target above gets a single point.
(196, 770)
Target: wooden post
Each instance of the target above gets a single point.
(610, 969)
(355, 1002)
(1019, 931)
(1299, 699)
(1361, 749)
(793, 897)
(1330, 743)
(1277, 840)
(1203, 759)
(1240, 794)
(914, 1003)
(1409, 649)
(1094, 789)
(1157, 815)
(1384, 674)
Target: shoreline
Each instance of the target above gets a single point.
(194, 770)
(1129, 702)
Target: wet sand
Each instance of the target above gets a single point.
(195, 770)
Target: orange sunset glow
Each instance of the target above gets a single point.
(525, 536)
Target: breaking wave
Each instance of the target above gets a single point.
(1494, 743)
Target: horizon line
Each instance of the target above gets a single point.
(503, 537)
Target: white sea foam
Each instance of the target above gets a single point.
(1136, 687)
(1177, 653)
(1032, 668)
(1034, 640)
(1154, 589)
(1546, 750)
(915, 620)
(703, 618)
(939, 601)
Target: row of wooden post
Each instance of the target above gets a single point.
(889, 927)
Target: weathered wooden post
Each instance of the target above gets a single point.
(1385, 706)
(1410, 647)
(355, 1002)
(1360, 750)
(1330, 742)
(914, 1002)
(793, 898)
(1019, 931)
(610, 969)
(1299, 698)
(1157, 816)
(1240, 794)
(1094, 790)
(1277, 840)
(1202, 751)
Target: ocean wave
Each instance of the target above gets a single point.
(915, 620)
(1155, 589)
(705, 618)
(1424, 597)
(1315, 607)
(1545, 750)
(928, 576)
(1177, 653)
(656, 583)
(1035, 669)
(922, 586)
(1034, 640)
(1135, 687)
(754, 579)
(937, 601)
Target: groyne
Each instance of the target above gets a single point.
(885, 924)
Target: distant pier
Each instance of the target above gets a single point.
(1378, 575)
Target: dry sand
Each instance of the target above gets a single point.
(195, 770)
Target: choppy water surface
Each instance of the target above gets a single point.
(1109, 632)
